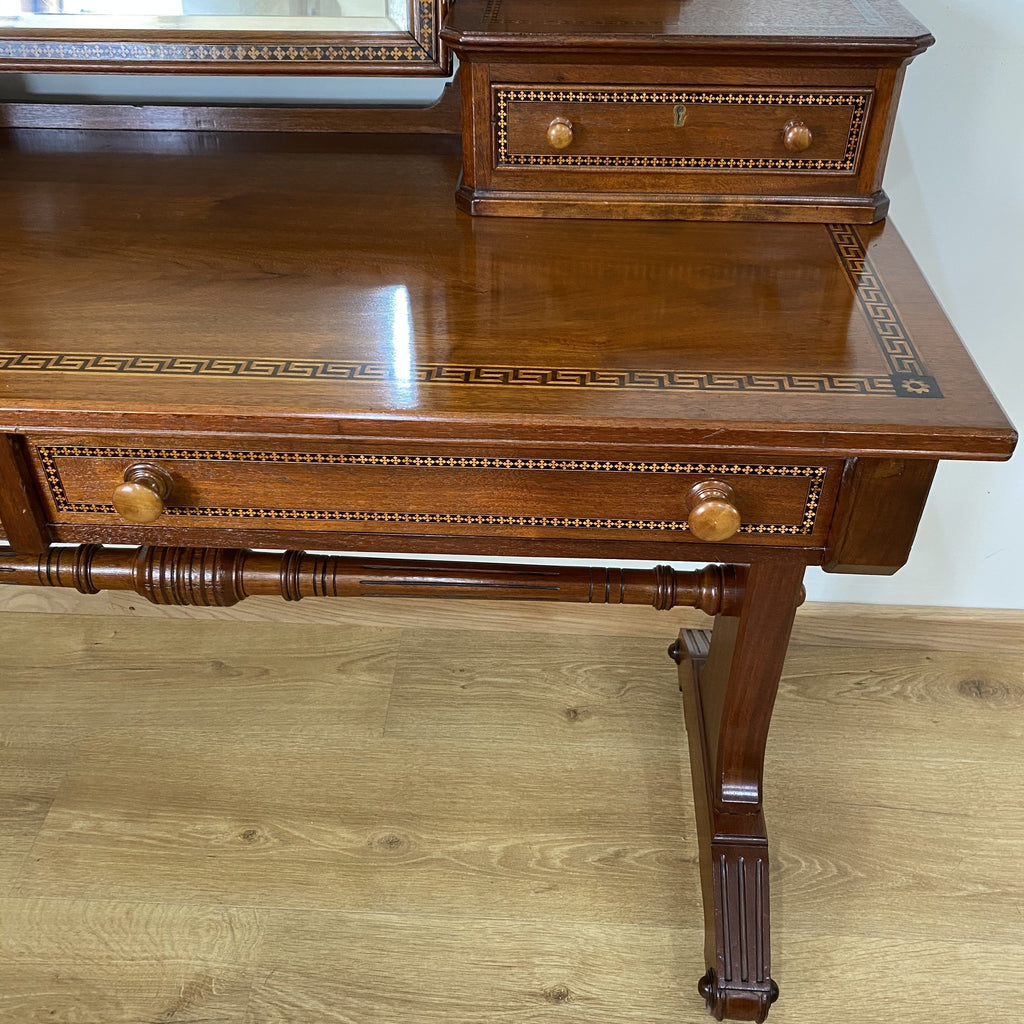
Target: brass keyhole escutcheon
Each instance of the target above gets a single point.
(679, 113)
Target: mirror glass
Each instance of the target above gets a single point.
(359, 16)
(239, 36)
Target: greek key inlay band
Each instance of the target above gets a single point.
(444, 373)
(909, 376)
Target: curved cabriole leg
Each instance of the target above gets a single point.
(729, 689)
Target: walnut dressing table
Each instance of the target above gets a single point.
(220, 350)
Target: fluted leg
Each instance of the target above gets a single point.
(729, 689)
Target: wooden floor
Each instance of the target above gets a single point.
(469, 815)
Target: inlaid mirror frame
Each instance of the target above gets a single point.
(177, 51)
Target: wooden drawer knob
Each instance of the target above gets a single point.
(713, 512)
(140, 499)
(796, 136)
(560, 133)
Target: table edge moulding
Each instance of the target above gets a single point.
(237, 363)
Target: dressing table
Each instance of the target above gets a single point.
(224, 350)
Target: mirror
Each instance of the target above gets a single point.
(241, 36)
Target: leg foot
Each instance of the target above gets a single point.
(718, 1001)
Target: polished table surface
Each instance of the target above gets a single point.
(316, 283)
(315, 349)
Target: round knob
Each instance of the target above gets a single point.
(140, 499)
(560, 133)
(796, 136)
(713, 512)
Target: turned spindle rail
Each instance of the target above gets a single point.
(222, 577)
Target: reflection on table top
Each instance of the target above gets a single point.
(330, 278)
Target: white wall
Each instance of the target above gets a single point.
(956, 178)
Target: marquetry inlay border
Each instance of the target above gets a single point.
(904, 375)
(909, 376)
(856, 100)
(421, 48)
(814, 475)
(557, 377)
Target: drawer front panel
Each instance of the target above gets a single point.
(703, 129)
(426, 494)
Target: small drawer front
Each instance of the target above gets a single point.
(649, 129)
(430, 495)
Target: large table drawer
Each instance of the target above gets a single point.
(421, 493)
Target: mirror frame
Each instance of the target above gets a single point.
(165, 51)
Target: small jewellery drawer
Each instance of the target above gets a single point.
(338, 492)
(798, 151)
(648, 129)
(703, 110)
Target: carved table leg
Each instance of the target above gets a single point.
(729, 690)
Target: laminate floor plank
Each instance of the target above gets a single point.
(124, 963)
(537, 688)
(872, 877)
(279, 821)
(908, 627)
(887, 980)
(970, 701)
(33, 762)
(112, 673)
(881, 764)
(398, 969)
(412, 826)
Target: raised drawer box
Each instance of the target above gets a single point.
(391, 492)
(691, 111)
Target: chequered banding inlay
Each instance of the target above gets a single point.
(814, 475)
(420, 50)
(856, 100)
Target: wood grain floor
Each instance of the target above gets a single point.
(409, 815)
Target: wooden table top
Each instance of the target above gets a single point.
(326, 285)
